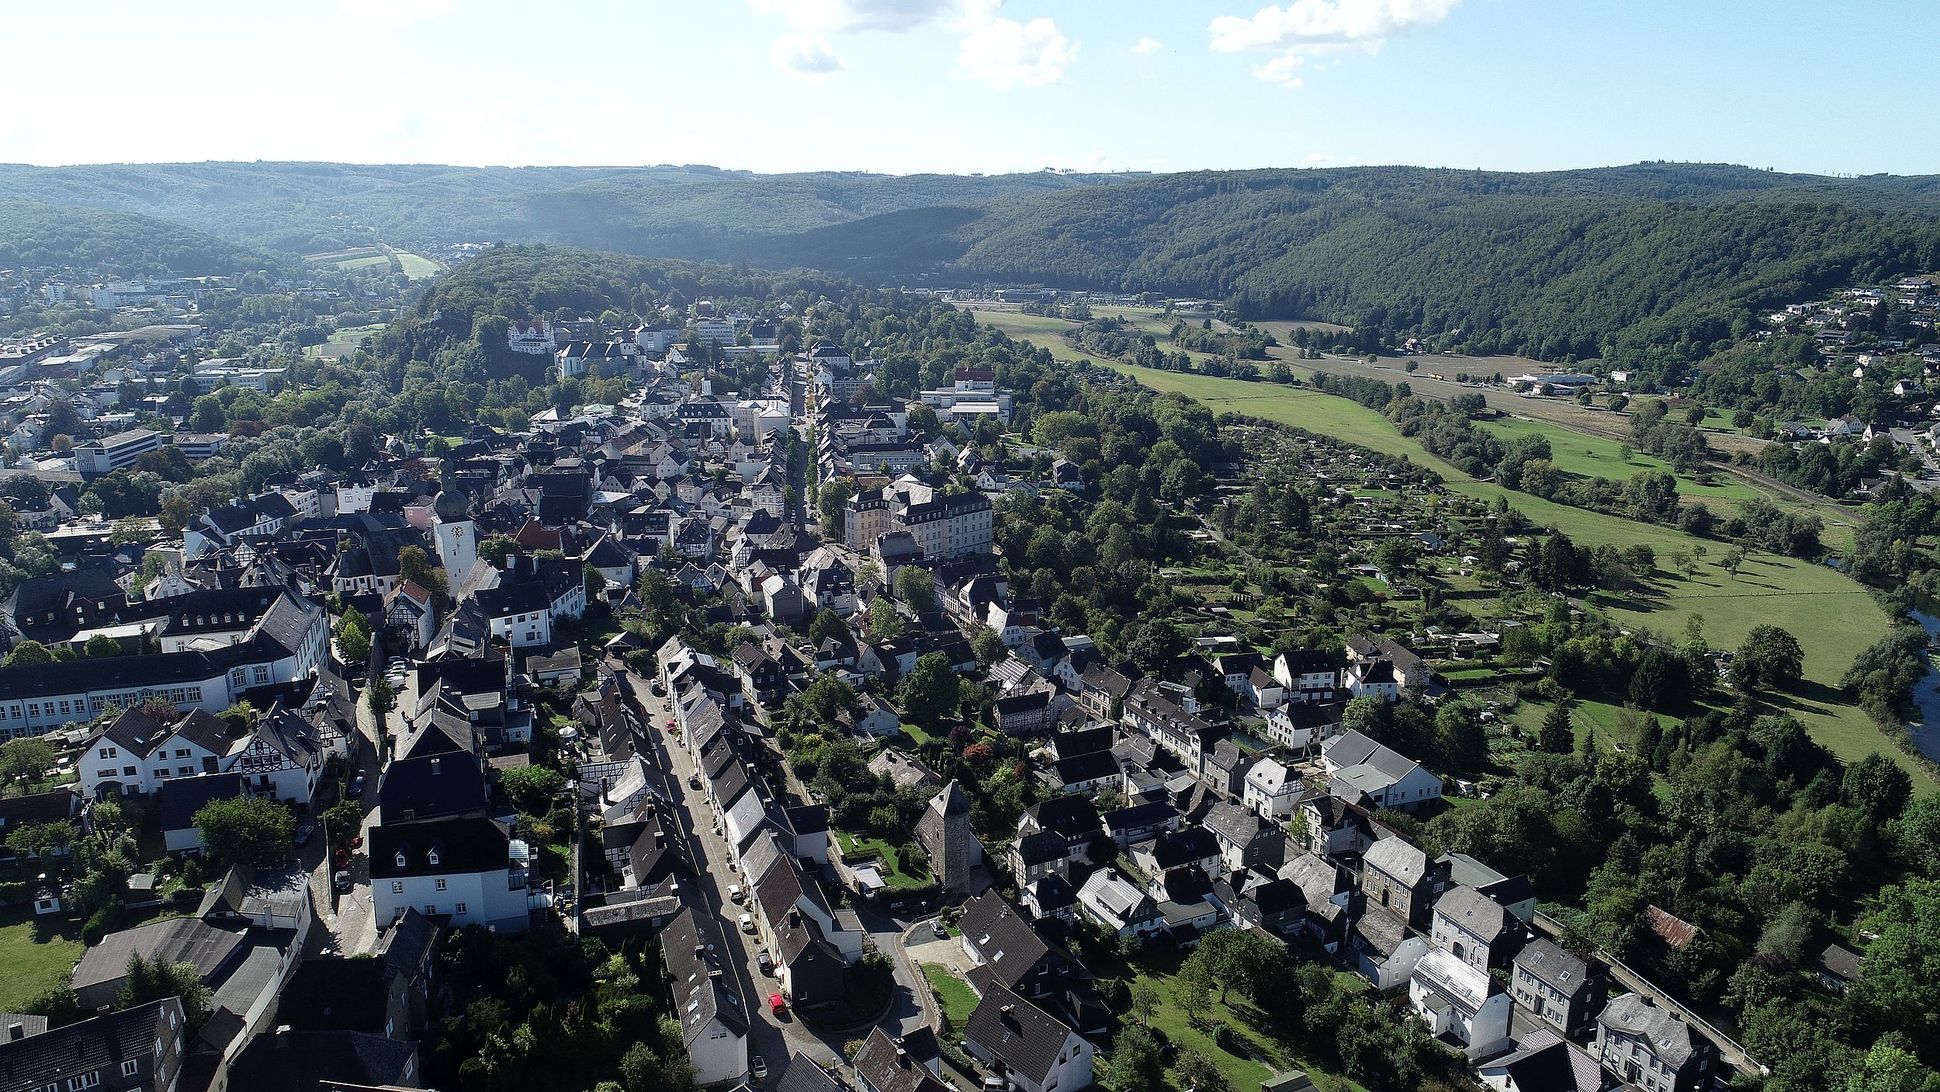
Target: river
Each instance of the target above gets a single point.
(1926, 695)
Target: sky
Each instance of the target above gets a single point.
(906, 86)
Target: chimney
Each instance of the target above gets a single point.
(794, 919)
(434, 767)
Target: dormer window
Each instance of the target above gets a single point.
(431, 858)
(401, 861)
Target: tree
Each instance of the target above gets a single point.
(353, 638)
(988, 645)
(29, 758)
(342, 821)
(1556, 736)
(153, 980)
(379, 698)
(1877, 786)
(885, 624)
(1732, 560)
(1136, 1065)
(917, 588)
(28, 652)
(1769, 657)
(532, 788)
(250, 830)
(414, 564)
(929, 693)
(827, 624)
(101, 647)
(1197, 1071)
(1145, 999)
(1460, 738)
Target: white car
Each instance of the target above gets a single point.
(734, 892)
(758, 1068)
(747, 923)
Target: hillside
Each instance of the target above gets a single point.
(116, 243)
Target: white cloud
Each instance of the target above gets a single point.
(840, 16)
(805, 54)
(1005, 53)
(1317, 158)
(396, 11)
(1308, 28)
(1147, 45)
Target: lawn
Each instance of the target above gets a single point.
(891, 857)
(955, 996)
(34, 959)
(1830, 614)
(1263, 1056)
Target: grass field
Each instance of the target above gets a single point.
(953, 994)
(34, 961)
(343, 342)
(892, 860)
(364, 261)
(1831, 615)
(416, 266)
(1575, 452)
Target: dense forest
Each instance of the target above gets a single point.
(33, 233)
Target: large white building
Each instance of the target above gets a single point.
(943, 524)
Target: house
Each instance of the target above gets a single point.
(1326, 894)
(1385, 949)
(713, 1017)
(1398, 878)
(885, 1064)
(140, 1049)
(1839, 967)
(135, 752)
(1543, 1062)
(1650, 1048)
(214, 950)
(1244, 839)
(461, 870)
(1271, 789)
(1026, 1046)
(1556, 986)
(1474, 928)
(1118, 905)
(1456, 1001)
(178, 800)
(1360, 767)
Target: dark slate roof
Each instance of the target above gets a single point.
(51, 1058)
(1140, 815)
(1094, 766)
(1666, 1036)
(429, 787)
(176, 940)
(1551, 964)
(1053, 892)
(179, 798)
(1184, 846)
(1084, 741)
(692, 948)
(288, 1061)
(1017, 1033)
(56, 805)
(461, 845)
(1040, 846)
(334, 994)
(803, 1075)
(1071, 816)
(885, 1066)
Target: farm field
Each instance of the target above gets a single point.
(1831, 615)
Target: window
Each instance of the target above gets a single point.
(400, 859)
(181, 752)
(431, 858)
(461, 909)
(397, 887)
(129, 771)
(441, 883)
(108, 752)
(85, 1080)
(430, 909)
(131, 1067)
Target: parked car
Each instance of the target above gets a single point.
(342, 881)
(304, 832)
(765, 961)
(356, 786)
(777, 1004)
(936, 927)
(734, 892)
(758, 1068)
(747, 923)
(693, 781)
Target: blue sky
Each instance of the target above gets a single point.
(976, 85)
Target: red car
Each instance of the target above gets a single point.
(776, 1004)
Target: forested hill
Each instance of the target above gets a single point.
(1637, 261)
(114, 243)
(687, 211)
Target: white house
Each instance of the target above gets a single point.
(1358, 765)
(1118, 905)
(1026, 1046)
(468, 870)
(1454, 999)
(1271, 789)
(713, 1017)
(134, 753)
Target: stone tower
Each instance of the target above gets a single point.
(944, 833)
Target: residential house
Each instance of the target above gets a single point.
(1556, 986)
(1026, 1046)
(1457, 1001)
(1360, 768)
(1650, 1048)
(713, 1017)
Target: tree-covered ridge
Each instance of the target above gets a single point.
(33, 233)
(685, 211)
